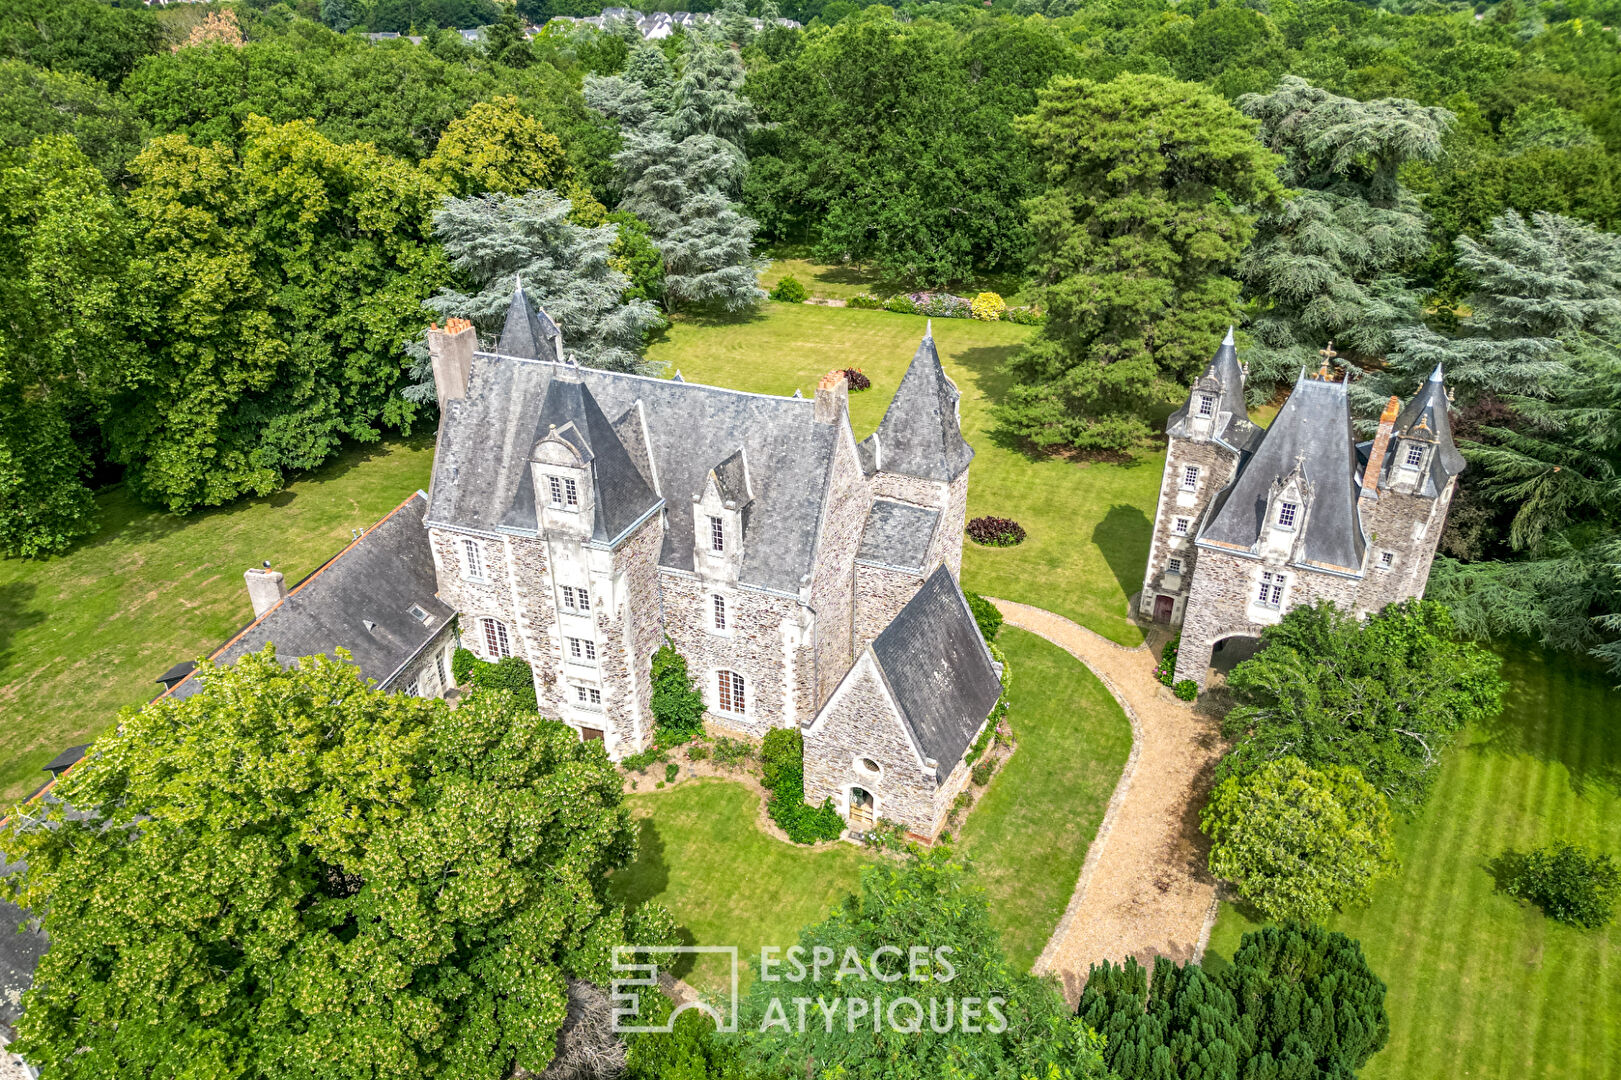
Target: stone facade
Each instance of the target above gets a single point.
(1306, 515)
(881, 592)
(429, 671)
(833, 587)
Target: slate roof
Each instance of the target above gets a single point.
(1312, 433)
(529, 332)
(1225, 378)
(939, 670)
(59, 764)
(919, 435)
(621, 495)
(481, 467)
(1425, 417)
(361, 600)
(732, 478)
(898, 534)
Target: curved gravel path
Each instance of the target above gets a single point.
(1144, 890)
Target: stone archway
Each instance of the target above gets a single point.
(1232, 650)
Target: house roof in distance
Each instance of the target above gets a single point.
(939, 670)
(361, 600)
(920, 435)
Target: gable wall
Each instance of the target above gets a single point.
(1216, 467)
(832, 594)
(881, 592)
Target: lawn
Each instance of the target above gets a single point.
(1088, 523)
(728, 883)
(87, 633)
(1481, 985)
(1031, 829)
(842, 282)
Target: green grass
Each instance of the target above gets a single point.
(1031, 829)
(842, 282)
(700, 853)
(86, 633)
(1480, 984)
(1088, 523)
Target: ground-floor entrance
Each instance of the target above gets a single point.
(1163, 607)
(861, 810)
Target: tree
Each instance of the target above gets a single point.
(1299, 842)
(1384, 695)
(84, 36)
(36, 102)
(274, 286)
(64, 250)
(493, 241)
(1329, 264)
(1134, 241)
(929, 902)
(340, 15)
(681, 165)
(1297, 1001)
(293, 874)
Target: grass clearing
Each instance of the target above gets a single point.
(86, 633)
(1029, 834)
(829, 282)
(1088, 522)
(1480, 984)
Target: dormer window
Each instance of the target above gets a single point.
(1286, 514)
(565, 493)
(717, 534)
(1207, 405)
(1413, 456)
(1190, 478)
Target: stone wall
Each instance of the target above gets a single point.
(881, 592)
(753, 645)
(1410, 526)
(629, 631)
(832, 592)
(1216, 464)
(909, 489)
(860, 721)
(424, 672)
(947, 545)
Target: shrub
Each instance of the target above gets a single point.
(697, 751)
(678, 707)
(462, 662)
(1024, 316)
(671, 771)
(1569, 883)
(638, 763)
(983, 772)
(857, 380)
(782, 748)
(995, 531)
(886, 835)
(901, 305)
(729, 752)
(988, 307)
(864, 301)
(1186, 690)
(789, 291)
(985, 614)
(962, 802)
(1166, 672)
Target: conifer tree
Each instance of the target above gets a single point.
(1328, 264)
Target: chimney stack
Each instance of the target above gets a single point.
(1381, 443)
(451, 351)
(266, 589)
(832, 397)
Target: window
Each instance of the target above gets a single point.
(1415, 454)
(576, 598)
(413, 688)
(439, 667)
(717, 534)
(1173, 566)
(589, 696)
(1271, 594)
(1387, 559)
(1286, 515)
(869, 766)
(1207, 405)
(571, 493)
(731, 692)
(1190, 478)
(720, 612)
(557, 490)
(473, 560)
(496, 643)
(1179, 526)
(418, 614)
(582, 650)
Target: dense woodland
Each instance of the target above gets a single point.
(222, 231)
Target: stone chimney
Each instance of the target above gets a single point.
(832, 397)
(451, 351)
(1381, 443)
(266, 588)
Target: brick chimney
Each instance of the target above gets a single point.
(832, 397)
(266, 589)
(1381, 443)
(451, 351)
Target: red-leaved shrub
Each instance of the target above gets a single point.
(995, 531)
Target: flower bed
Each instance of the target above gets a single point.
(995, 531)
(987, 306)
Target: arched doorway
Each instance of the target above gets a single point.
(1228, 653)
(862, 807)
